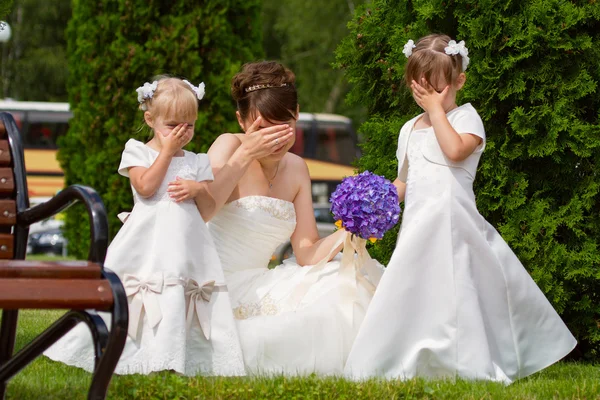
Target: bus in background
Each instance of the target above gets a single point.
(329, 145)
(40, 125)
(327, 142)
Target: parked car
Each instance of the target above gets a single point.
(325, 226)
(46, 237)
(49, 241)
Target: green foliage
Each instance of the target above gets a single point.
(114, 47)
(534, 79)
(303, 35)
(5, 7)
(34, 61)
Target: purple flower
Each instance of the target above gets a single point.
(366, 204)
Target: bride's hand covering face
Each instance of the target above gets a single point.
(258, 163)
(266, 98)
(263, 139)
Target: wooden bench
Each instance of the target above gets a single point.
(83, 287)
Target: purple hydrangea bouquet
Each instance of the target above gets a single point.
(366, 205)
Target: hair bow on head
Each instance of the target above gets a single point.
(454, 48)
(408, 48)
(199, 91)
(146, 92)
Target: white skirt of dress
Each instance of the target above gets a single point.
(296, 320)
(164, 255)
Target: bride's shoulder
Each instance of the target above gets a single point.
(222, 149)
(296, 163)
(228, 140)
(224, 145)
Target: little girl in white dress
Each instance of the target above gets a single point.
(180, 315)
(455, 300)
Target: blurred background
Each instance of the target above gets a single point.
(302, 34)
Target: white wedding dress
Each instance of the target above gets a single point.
(290, 319)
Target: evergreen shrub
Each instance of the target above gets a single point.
(114, 46)
(533, 78)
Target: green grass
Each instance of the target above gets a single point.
(45, 379)
(47, 257)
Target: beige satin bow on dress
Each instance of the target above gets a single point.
(143, 294)
(144, 298)
(199, 298)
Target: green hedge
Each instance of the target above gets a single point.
(115, 46)
(533, 77)
(5, 7)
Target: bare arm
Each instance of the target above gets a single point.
(229, 161)
(401, 188)
(456, 147)
(147, 180)
(229, 158)
(308, 247)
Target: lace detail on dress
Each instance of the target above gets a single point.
(277, 208)
(229, 361)
(266, 306)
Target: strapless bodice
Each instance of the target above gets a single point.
(247, 231)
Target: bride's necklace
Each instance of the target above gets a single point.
(273, 178)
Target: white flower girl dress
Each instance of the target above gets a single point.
(455, 300)
(180, 315)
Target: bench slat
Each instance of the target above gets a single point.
(8, 212)
(50, 269)
(7, 181)
(4, 153)
(6, 245)
(74, 294)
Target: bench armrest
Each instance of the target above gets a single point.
(65, 198)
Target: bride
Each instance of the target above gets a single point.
(302, 316)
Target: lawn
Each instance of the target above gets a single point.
(45, 379)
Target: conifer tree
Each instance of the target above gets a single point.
(534, 80)
(115, 46)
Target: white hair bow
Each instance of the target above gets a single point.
(454, 48)
(199, 91)
(408, 48)
(146, 92)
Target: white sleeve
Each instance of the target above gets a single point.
(403, 136)
(204, 172)
(134, 155)
(469, 122)
(402, 160)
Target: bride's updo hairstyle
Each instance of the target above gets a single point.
(266, 88)
(429, 59)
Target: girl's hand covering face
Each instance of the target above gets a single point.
(427, 97)
(177, 138)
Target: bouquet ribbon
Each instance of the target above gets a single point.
(355, 258)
